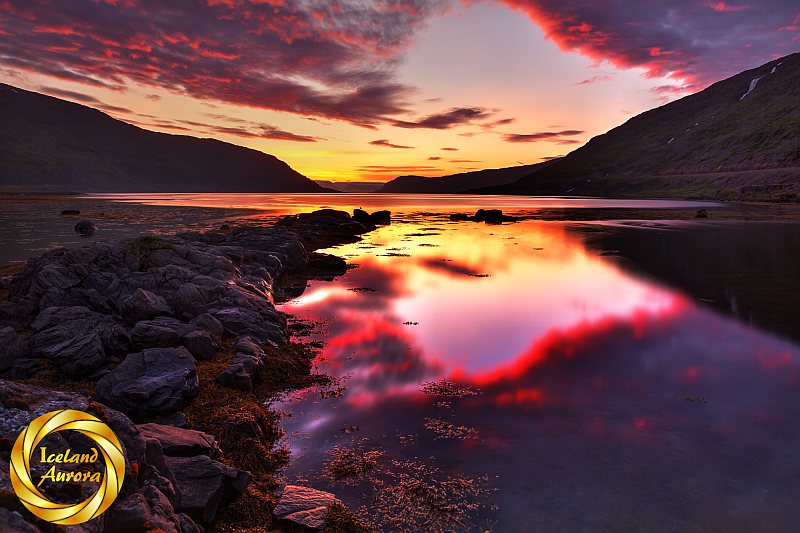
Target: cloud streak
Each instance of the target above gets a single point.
(543, 136)
(385, 143)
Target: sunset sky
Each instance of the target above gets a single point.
(353, 90)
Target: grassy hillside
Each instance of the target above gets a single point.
(48, 144)
(712, 144)
(456, 183)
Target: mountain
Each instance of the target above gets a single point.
(456, 183)
(48, 144)
(350, 186)
(737, 139)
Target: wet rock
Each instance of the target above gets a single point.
(327, 264)
(205, 485)
(492, 216)
(459, 216)
(159, 332)
(702, 213)
(143, 305)
(85, 228)
(153, 382)
(246, 345)
(177, 442)
(304, 506)
(236, 376)
(200, 344)
(70, 212)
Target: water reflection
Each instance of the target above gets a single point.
(594, 400)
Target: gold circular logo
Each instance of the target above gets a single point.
(110, 484)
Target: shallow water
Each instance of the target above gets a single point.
(580, 396)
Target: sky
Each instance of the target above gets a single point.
(359, 90)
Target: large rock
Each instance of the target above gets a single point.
(201, 344)
(150, 383)
(78, 339)
(160, 332)
(189, 301)
(267, 326)
(205, 484)
(12, 349)
(178, 442)
(143, 305)
(145, 510)
(304, 506)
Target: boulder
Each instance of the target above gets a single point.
(178, 442)
(206, 322)
(189, 300)
(459, 217)
(12, 348)
(359, 215)
(77, 339)
(205, 484)
(153, 382)
(267, 327)
(200, 344)
(145, 510)
(143, 305)
(702, 213)
(85, 228)
(304, 506)
(160, 332)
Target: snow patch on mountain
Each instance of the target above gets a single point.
(752, 86)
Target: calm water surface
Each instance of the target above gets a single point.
(582, 397)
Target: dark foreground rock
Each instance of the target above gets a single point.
(205, 484)
(132, 319)
(150, 492)
(305, 506)
(154, 382)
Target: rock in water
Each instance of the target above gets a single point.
(85, 228)
(304, 506)
(702, 213)
(70, 212)
(154, 382)
(381, 218)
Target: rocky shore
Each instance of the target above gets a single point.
(175, 342)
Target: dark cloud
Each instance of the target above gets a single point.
(464, 161)
(387, 144)
(396, 169)
(457, 116)
(434, 158)
(695, 40)
(542, 136)
(449, 149)
(311, 57)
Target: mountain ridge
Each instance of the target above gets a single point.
(52, 145)
(460, 182)
(735, 140)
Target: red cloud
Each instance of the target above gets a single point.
(243, 52)
(685, 39)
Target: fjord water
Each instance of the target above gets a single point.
(552, 375)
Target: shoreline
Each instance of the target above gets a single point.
(236, 356)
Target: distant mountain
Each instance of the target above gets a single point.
(456, 183)
(737, 139)
(350, 186)
(48, 144)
